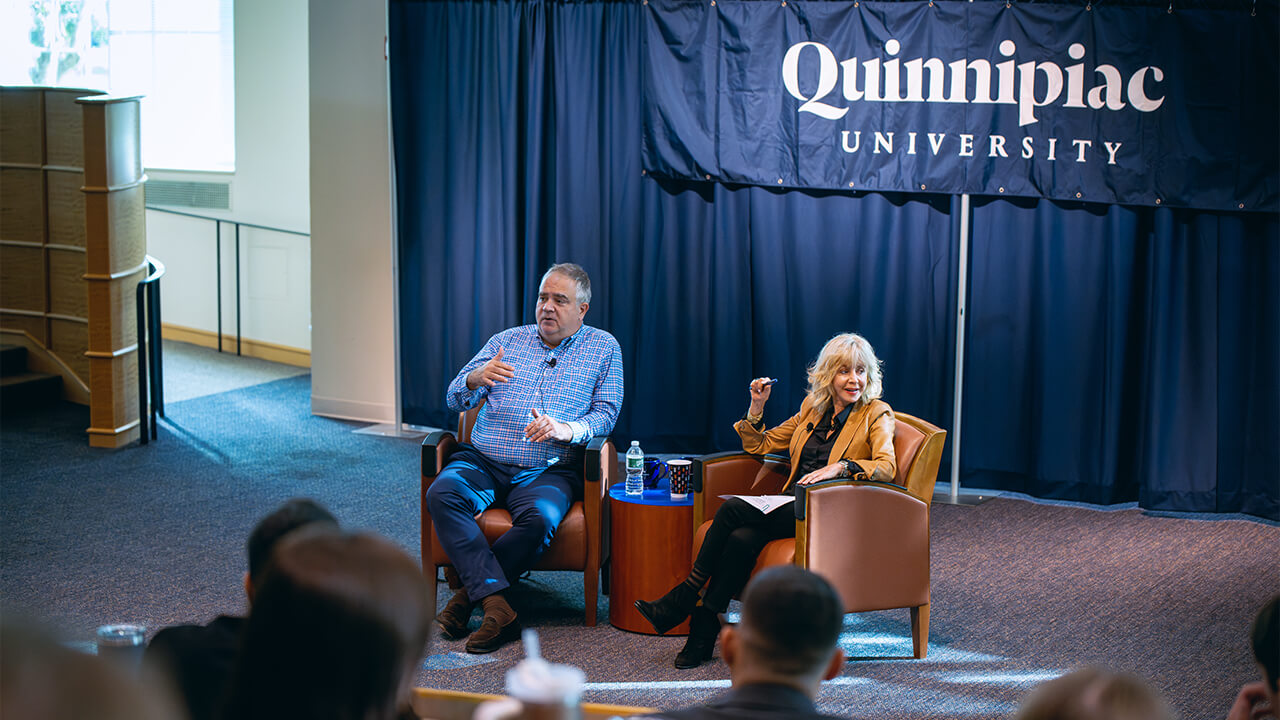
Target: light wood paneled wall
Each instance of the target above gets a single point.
(73, 242)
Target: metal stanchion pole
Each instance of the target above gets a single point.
(955, 497)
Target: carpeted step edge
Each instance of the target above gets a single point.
(28, 391)
(13, 360)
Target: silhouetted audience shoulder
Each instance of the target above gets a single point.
(42, 680)
(199, 659)
(1261, 699)
(1095, 694)
(338, 627)
(780, 651)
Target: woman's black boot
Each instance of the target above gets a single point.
(704, 628)
(671, 609)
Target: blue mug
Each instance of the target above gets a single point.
(654, 471)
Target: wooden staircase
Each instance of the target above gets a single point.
(21, 389)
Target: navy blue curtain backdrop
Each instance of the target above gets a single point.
(517, 133)
(1117, 353)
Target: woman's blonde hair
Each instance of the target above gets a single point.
(844, 350)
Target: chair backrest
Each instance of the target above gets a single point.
(774, 471)
(906, 443)
(466, 421)
(918, 446)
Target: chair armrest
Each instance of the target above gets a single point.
(803, 498)
(436, 450)
(732, 473)
(600, 466)
(599, 473)
(870, 539)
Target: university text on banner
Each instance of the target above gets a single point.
(1133, 105)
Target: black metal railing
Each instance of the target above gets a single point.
(150, 354)
(217, 224)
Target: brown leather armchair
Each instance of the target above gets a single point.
(581, 541)
(869, 539)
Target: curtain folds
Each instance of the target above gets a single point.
(1113, 354)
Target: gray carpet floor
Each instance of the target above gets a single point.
(1022, 591)
(192, 371)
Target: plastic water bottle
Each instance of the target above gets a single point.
(635, 469)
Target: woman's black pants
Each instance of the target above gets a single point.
(733, 543)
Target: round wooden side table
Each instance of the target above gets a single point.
(651, 550)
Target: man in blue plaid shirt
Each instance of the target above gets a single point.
(547, 390)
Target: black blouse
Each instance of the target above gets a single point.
(817, 449)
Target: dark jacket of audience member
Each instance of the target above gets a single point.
(199, 658)
(336, 632)
(780, 651)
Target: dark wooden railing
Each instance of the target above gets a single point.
(150, 354)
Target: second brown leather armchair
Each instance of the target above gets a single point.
(869, 539)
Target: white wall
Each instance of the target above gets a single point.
(272, 138)
(270, 187)
(352, 340)
(312, 154)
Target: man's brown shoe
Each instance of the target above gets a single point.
(492, 636)
(456, 615)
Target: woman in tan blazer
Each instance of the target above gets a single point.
(843, 429)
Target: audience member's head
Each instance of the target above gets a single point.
(791, 620)
(294, 514)
(43, 680)
(1261, 698)
(338, 626)
(1095, 694)
(1265, 640)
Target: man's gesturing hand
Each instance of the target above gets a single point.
(544, 428)
(490, 373)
